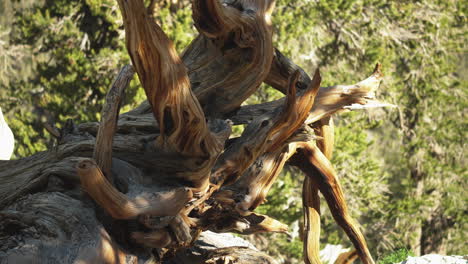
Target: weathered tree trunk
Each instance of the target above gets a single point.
(142, 186)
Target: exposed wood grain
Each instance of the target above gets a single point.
(267, 133)
(182, 124)
(232, 56)
(316, 165)
(329, 100)
(109, 115)
(311, 208)
(119, 206)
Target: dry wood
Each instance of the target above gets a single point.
(119, 205)
(233, 54)
(267, 133)
(110, 112)
(311, 208)
(316, 165)
(168, 152)
(164, 77)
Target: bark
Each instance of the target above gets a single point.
(142, 186)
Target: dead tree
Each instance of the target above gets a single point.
(142, 186)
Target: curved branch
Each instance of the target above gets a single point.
(212, 19)
(110, 112)
(182, 124)
(119, 206)
(311, 208)
(164, 78)
(267, 133)
(281, 70)
(316, 166)
(232, 56)
(329, 100)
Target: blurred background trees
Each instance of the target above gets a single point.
(403, 169)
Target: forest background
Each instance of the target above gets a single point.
(403, 169)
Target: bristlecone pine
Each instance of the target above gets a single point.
(142, 186)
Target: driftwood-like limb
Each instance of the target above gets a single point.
(212, 19)
(118, 205)
(164, 77)
(281, 70)
(310, 198)
(110, 112)
(232, 56)
(311, 208)
(325, 129)
(266, 133)
(329, 100)
(315, 165)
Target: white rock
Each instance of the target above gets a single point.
(436, 259)
(330, 253)
(7, 140)
(224, 240)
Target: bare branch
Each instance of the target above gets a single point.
(268, 133)
(119, 206)
(236, 40)
(110, 112)
(329, 100)
(164, 77)
(311, 208)
(316, 166)
(281, 70)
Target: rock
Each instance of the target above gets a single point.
(436, 259)
(7, 141)
(212, 247)
(330, 253)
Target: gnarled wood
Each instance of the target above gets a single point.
(311, 208)
(310, 197)
(328, 101)
(232, 56)
(164, 77)
(315, 165)
(110, 112)
(169, 150)
(266, 133)
(119, 206)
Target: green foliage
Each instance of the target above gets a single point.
(396, 257)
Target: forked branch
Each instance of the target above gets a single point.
(267, 133)
(329, 100)
(316, 166)
(164, 77)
